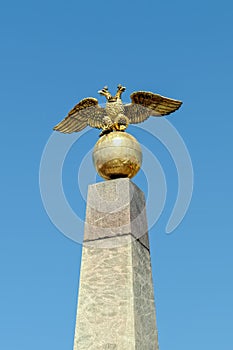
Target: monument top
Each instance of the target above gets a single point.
(116, 154)
(116, 116)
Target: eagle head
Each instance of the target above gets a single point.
(109, 97)
(105, 93)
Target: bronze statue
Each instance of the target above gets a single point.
(116, 116)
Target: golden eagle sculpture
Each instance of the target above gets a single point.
(116, 116)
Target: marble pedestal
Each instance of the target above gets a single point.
(116, 307)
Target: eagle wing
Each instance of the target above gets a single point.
(86, 112)
(145, 104)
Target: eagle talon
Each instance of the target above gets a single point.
(105, 132)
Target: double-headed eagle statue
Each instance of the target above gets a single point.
(116, 116)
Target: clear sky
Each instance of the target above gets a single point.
(54, 53)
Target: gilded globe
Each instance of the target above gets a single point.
(117, 154)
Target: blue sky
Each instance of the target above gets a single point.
(52, 55)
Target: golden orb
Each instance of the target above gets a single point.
(117, 154)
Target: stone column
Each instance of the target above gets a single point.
(116, 308)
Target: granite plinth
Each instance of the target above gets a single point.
(116, 308)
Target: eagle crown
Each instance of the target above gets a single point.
(109, 97)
